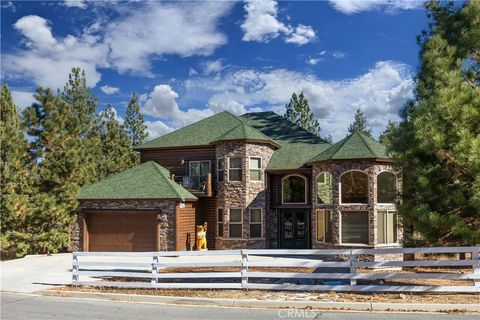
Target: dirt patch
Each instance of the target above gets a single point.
(292, 296)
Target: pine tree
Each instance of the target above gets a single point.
(117, 153)
(384, 136)
(437, 143)
(15, 177)
(84, 106)
(298, 111)
(359, 124)
(56, 150)
(134, 122)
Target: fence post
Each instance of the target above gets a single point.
(154, 279)
(75, 268)
(244, 268)
(353, 269)
(476, 266)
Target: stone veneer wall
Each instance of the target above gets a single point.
(166, 218)
(336, 169)
(245, 194)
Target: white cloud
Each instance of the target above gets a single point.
(301, 35)
(159, 29)
(379, 93)
(389, 6)
(261, 24)
(339, 55)
(22, 99)
(109, 90)
(192, 72)
(213, 66)
(9, 5)
(82, 4)
(48, 60)
(161, 104)
(314, 61)
(157, 128)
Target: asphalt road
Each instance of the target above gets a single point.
(21, 307)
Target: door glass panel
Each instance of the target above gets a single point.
(301, 226)
(288, 226)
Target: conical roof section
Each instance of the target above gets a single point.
(148, 180)
(355, 146)
(243, 131)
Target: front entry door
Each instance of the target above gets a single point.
(294, 229)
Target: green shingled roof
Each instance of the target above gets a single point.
(244, 132)
(203, 132)
(298, 145)
(148, 180)
(355, 146)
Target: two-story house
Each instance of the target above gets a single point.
(258, 180)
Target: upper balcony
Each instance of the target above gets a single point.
(201, 186)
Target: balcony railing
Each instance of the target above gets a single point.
(198, 185)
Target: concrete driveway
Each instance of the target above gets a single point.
(36, 273)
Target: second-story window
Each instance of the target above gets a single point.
(255, 169)
(235, 169)
(220, 169)
(198, 175)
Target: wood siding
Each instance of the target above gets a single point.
(171, 159)
(118, 231)
(185, 227)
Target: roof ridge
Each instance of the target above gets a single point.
(366, 143)
(167, 179)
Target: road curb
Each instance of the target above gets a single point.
(270, 304)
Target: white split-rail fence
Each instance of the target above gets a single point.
(154, 270)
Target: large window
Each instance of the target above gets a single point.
(220, 220)
(255, 223)
(198, 174)
(354, 227)
(387, 224)
(386, 190)
(220, 169)
(324, 188)
(354, 187)
(235, 169)
(255, 169)
(294, 189)
(324, 225)
(235, 223)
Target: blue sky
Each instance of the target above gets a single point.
(189, 60)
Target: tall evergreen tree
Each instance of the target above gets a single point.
(15, 178)
(84, 106)
(359, 124)
(56, 150)
(134, 122)
(298, 111)
(437, 143)
(117, 153)
(384, 136)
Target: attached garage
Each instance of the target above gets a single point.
(140, 209)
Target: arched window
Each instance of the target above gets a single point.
(354, 187)
(386, 187)
(294, 189)
(324, 188)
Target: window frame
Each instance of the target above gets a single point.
(258, 169)
(236, 223)
(222, 170)
(254, 223)
(325, 223)
(393, 212)
(340, 195)
(221, 222)
(230, 168)
(306, 188)
(376, 188)
(353, 244)
(331, 188)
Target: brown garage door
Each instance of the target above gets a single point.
(121, 231)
